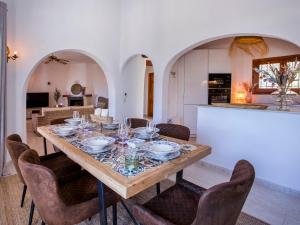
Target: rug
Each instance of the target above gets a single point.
(12, 214)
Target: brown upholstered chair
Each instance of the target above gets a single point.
(188, 204)
(174, 131)
(62, 203)
(58, 121)
(137, 122)
(55, 122)
(62, 166)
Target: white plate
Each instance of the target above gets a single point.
(73, 121)
(162, 148)
(145, 130)
(163, 158)
(135, 142)
(98, 143)
(65, 130)
(105, 149)
(146, 137)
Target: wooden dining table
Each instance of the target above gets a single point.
(125, 186)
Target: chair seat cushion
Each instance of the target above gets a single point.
(84, 188)
(61, 165)
(177, 205)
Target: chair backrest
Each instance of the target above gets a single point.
(137, 122)
(15, 148)
(104, 112)
(222, 204)
(97, 112)
(42, 185)
(174, 131)
(58, 121)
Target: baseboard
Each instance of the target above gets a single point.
(262, 182)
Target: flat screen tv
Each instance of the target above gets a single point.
(37, 100)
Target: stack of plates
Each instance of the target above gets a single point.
(145, 133)
(97, 144)
(111, 126)
(65, 131)
(162, 150)
(73, 121)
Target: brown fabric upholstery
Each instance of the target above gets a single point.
(62, 166)
(174, 131)
(55, 122)
(61, 204)
(187, 204)
(137, 122)
(15, 148)
(58, 121)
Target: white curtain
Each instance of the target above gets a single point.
(3, 12)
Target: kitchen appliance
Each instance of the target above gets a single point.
(219, 88)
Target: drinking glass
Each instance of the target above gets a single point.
(151, 126)
(127, 122)
(131, 161)
(76, 115)
(123, 133)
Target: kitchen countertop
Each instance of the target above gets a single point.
(258, 107)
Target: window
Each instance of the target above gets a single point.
(264, 87)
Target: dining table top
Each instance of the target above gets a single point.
(126, 186)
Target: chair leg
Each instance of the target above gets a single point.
(129, 213)
(114, 211)
(31, 213)
(158, 188)
(23, 195)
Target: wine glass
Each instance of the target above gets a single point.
(123, 133)
(76, 115)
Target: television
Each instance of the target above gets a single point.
(37, 100)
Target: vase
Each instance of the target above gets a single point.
(248, 97)
(283, 99)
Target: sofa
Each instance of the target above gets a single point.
(49, 114)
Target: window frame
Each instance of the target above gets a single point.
(255, 76)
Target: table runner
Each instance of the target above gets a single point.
(115, 156)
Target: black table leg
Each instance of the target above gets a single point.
(158, 188)
(102, 208)
(179, 175)
(45, 145)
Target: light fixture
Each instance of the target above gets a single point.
(12, 57)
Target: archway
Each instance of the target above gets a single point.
(137, 87)
(212, 57)
(59, 72)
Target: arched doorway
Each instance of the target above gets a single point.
(188, 76)
(138, 87)
(52, 82)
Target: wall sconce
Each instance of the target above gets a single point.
(12, 57)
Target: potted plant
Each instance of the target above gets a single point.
(282, 79)
(56, 95)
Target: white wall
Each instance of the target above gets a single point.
(268, 139)
(60, 76)
(42, 27)
(133, 81)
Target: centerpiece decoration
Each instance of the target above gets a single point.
(56, 96)
(282, 80)
(248, 87)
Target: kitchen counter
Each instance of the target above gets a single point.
(264, 107)
(268, 138)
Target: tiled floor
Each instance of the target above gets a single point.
(269, 205)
